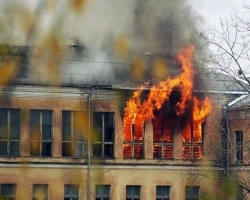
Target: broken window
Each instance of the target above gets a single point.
(192, 192)
(162, 192)
(102, 192)
(103, 137)
(133, 192)
(9, 132)
(239, 146)
(192, 141)
(40, 191)
(71, 192)
(41, 133)
(8, 191)
(72, 133)
(162, 139)
(133, 144)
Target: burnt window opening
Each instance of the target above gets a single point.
(162, 192)
(192, 141)
(9, 132)
(71, 192)
(8, 191)
(73, 133)
(162, 139)
(103, 137)
(102, 192)
(41, 133)
(239, 147)
(192, 193)
(40, 191)
(133, 192)
(133, 144)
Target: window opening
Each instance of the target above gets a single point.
(133, 192)
(9, 132)
(73, 133)
(192, 192)
(239, 146)
(102, 192)
(71, 192)
(41, 133)
(103, 137)
(40, 191)
(162, 192)
(8, 191)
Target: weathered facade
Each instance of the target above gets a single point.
(72, 141)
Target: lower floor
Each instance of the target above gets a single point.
(116, 182)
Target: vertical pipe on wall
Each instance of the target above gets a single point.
(89, 130)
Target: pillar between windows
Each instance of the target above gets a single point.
(57, 133)
(25, 133)
(148, 138)
(178, 143)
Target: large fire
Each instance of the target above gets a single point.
(137, 111)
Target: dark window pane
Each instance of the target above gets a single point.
(74, 190)
(108, 120)
(108, 134)
(35, 132)
(3, 116)
(66, 148)
(78, 149)
(106, 190)
(46, 148)
(66, 133)
(14, 131)
(14, 116)
(35, 148)
(97, 121)
(97, 134)
(66, 118)
(35, 117)
(97, 150)
(108, 150)
(3, 148)
(8, 189)
(46, 117)
(46, 132)
(3, 131)
(14, 148)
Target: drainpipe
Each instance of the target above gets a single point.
(228, 141)
(89, 130)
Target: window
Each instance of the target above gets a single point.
(40, 191)
(162, 138)
(102, 192)
(103, 139)
(9, 132)
(192, 192)
(41, 133)
(133, 192)
(192, 141)
(239, 146)
(8, 191)
(71, 192)
(133, 144)
(72, 133)
(162, 192)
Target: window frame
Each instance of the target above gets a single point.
(133, 196)
(102, 196)
(73, 139)
(102, 142)
(72, 196)
(192, 144)
(133, 143)
(41, 140)
(8, 196)
(163, 145)
(163, 196)
(10, 140)
(239, 147)
(46, 194)
(192, 196)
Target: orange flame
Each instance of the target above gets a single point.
(137, 112)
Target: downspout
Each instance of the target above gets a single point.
(228, 141)
(89, 130)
